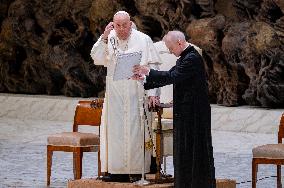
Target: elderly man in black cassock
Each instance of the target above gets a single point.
(193, 151)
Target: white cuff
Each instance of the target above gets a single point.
(144, 79)
(103, 40)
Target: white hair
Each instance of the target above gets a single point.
(121, 12)
(176, 35)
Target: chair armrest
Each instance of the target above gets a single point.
(161, 106)
(166, 105)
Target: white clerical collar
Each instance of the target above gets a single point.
(186, 46)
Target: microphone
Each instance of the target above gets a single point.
(112, 41)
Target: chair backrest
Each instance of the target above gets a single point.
(88, 113)
(281, 129)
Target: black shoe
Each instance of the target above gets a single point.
(134, 177)
(153, 167)
(116, 178)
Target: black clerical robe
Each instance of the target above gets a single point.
(193, 151)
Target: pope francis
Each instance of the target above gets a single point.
(125, 104)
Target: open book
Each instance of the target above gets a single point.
(124, 65)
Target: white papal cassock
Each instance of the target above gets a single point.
(121, 129)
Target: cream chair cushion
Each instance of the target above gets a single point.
(167, 113)
(272, 151)
(167, 124)
(73, 139)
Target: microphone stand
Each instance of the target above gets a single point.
(143, 181)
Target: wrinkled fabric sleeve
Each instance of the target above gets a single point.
(99, 53)
(158, 79)
(185, 69)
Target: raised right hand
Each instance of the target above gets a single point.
(108, 28)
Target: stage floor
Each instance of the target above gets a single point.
(23, 156)
(23, 147)
(91, 183)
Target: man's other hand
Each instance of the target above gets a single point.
(153, 101)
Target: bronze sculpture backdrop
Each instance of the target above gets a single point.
(45, 45)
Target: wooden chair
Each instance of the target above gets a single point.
(87, 113)
(269, 154)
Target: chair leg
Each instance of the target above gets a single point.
(99, 164)
(74, 164)
(279, 184)
(77, 163)
(254, 173)
(49, 153)
(80, 167)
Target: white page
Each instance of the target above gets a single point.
(124, 65)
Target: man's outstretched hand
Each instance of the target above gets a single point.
(139, 72)
(137, 77)
(141, 69)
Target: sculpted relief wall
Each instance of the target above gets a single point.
(45, 45)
